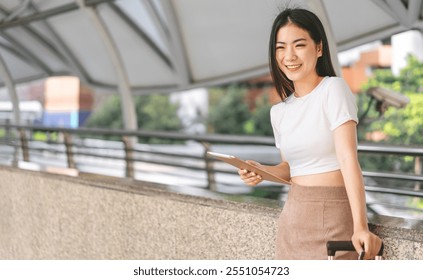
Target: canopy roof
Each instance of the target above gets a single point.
(170, 45)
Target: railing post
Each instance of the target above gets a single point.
(7, 133)
(417, 171)
(69, 153)
(129, 159)
(209, 168)
(9, 140)
(24, 144)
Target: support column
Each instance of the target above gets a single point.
(10, 85)
(7, 78)
(127, 101)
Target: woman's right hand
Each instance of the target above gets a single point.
(250, 178)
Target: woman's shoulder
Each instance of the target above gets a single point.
(334, 81)
(334, 86)
(276, 110)
(277, 107)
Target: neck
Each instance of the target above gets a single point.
(303, 88)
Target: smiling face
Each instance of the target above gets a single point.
(297, 54)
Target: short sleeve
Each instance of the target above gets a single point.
(341, 104)
(275, 121)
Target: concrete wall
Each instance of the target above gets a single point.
(45, 216)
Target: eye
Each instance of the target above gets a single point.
(300, 45)
(280, 47)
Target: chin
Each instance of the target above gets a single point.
(294, 77)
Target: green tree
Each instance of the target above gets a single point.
(401, 126)
(154, 112)
(108, 116)
(260, 118)
(411, 76)
(228, 111)
(404, 126)
(409, 80)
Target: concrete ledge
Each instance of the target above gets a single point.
(48, 216)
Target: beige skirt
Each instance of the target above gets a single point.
(310, 217)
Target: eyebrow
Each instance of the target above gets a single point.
(295, 41)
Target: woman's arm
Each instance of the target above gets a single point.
(345, 137)
(252, 179)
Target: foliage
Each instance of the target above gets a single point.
(261, 118)
(108, 116)
(229, 113)
(400, 126)
(405, 126)
(410, 78)
(45, 136)
(154, 112)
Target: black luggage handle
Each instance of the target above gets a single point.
(334, 246)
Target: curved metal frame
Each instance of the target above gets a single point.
(405, 13)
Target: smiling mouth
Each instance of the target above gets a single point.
(293, 67)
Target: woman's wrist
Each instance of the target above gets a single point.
(362, 227)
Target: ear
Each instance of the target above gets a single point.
(319, 49)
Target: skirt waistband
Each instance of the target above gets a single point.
(317, 193)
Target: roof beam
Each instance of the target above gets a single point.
(385, 7)
(31, 31)
(153, 9)
(406, 16)
(26, 52)
(142, 34)
(8, 80)
(19, 9)
(67, 56)
(32, 78)
(65, 53)
(49, 13)
(370, 37)
(17, 54)
(401, 11)
(62, 52)
(414, 10)
(158, 22)
(177, 48)
(127, 102)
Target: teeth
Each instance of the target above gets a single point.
(293, 66)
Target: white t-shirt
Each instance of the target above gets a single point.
(303, 126)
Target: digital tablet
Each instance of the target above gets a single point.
(241, 164)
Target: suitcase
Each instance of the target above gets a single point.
(334, 246)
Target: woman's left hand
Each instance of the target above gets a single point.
(368, 242)
(250, 178)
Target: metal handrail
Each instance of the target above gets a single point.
(394, 191)
(132, 154)
(390, 149)
(209, 138)
(398, 176)
(216, 138)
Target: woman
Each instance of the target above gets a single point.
(315, 129)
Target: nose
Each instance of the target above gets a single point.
(290, 55)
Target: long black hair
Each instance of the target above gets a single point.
(308, 21)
